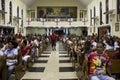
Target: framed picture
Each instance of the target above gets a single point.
(116, 26)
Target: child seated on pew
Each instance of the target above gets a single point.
(99, 64)
(25, 51)
(11, 56)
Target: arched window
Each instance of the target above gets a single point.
(94, 14)
(10, 12)
(118, 10)
(91, 17)
(107, 9)
(3, 5)
(22, 17)
(18, 12)
(3, 9)
(101, 13)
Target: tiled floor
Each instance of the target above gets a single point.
(52, 65)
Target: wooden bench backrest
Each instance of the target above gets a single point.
(111, 53)
(19, 57)
(3, 68)
(115, 66)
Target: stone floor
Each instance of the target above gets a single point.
(52, 65)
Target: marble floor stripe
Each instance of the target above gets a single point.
(62, 53)
(64, 61)
(65, 65)
(36, 69)
(66, 69)
(63, 56)
(41, 61)
(52, 65)
(68, 79)
(30, 79)
(44, 56)
(39, 65)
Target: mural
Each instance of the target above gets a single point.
(57, 12)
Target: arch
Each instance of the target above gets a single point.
(107, 9)
(101, 13)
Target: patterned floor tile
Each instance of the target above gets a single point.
(68, 79)
(66, 69)
(63, 56)
(64, 61)
(44, 56)
(36, 69)
(41, 61)
(30, 79)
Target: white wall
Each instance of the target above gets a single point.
(112, 20)
(15, 3)
(77, 31)
(35, 31)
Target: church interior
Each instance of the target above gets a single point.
(59, 39)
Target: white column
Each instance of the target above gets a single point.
(66, 30)
(47, 31)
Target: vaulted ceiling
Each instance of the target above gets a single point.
(30, 2)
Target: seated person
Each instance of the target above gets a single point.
(11, 56)
(25, 50)
(99, 64)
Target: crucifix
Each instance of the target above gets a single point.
(29, 20)
(70, 20)
(57, 20)
(84, 20)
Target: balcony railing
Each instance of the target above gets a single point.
(54, 19)
(57, 21)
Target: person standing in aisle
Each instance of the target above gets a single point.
(53, 38)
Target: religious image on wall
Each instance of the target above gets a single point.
(103, 31)
(57, 12)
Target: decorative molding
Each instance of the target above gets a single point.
(16, 18)
(112, 11)
(95, 17)
(117, 26)
(3, 12)
(30, 10)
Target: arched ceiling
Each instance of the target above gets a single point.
(30, 2)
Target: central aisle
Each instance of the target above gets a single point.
(52, 65)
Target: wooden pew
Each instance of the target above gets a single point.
(115, 67)
(29, 62)
(3, 69)
(82, 69)
(19, 69)
(110, 53)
